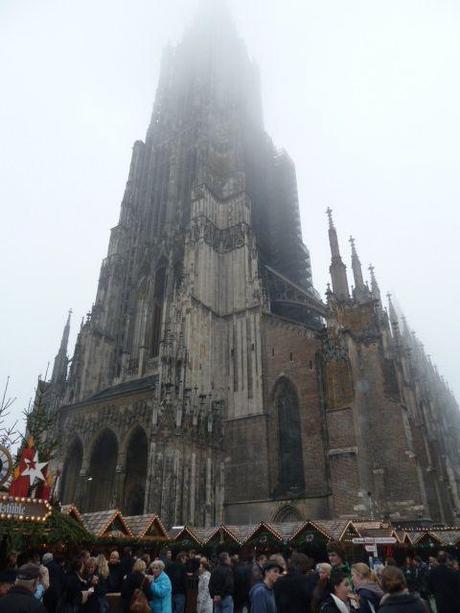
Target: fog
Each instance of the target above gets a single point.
(364, 96)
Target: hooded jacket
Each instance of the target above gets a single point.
(402, 602)
(370, 595)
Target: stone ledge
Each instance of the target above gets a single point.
(343, 451)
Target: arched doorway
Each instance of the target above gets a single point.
(290, 467)
(101, 474)
(287, 513)
(136, 473)
(71, 472)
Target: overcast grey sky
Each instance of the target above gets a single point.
(364, 95)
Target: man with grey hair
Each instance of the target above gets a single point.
(20, 598)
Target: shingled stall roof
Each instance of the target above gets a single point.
(223, 535)
(147, 526)
(263, 534)
(377, 529)
(110, 524)
(424, 538)
(72, 511)
(447, 537)
(185, 536)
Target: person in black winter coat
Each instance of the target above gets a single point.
(20, 598)
(444, 584)
(397, 598)
(115, 577)
(132, 583)
(127, 562)
(81, 593)
(54, 594)
(242, 584)
(177, 573)
(221, 584)
(293, 591)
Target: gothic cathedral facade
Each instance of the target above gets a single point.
(209, 381)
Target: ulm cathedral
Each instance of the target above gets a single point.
(209, 381)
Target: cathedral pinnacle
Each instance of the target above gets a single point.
(374, 285)
(356, 266)
(61, 361)
(394, 319)
(337, 268)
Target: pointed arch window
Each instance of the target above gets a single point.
(291, 470)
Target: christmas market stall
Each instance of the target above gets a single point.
(148, 530)
(72, 511)
(108, 527)
(263, 538)
(29, 524)
(222, 538)
(184, 537)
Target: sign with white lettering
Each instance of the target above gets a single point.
(24, 509)
(378, 540)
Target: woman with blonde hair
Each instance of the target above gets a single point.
(98, 571)
(367, 588)
(102, 566)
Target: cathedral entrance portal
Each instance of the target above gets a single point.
(71, 473)
(136, 473)
(102, 473)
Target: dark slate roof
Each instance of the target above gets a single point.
(129, 387)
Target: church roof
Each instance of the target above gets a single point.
(122, 389)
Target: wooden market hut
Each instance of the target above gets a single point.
(107, 525)
(184, 538)
(72, 511)
(147, 528)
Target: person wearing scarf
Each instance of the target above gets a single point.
(338, 600)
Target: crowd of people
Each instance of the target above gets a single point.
(191, 582)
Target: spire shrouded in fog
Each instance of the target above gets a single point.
(337, 268)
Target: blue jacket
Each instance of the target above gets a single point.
(262, 599)
(160, 594)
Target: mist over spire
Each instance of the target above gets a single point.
(337, 269)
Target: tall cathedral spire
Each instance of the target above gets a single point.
(337, 268)
(61, 361)
(375, 289)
